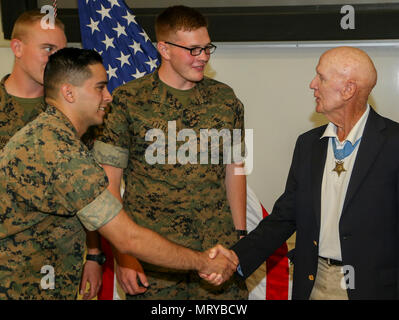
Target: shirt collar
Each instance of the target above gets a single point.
(159, 95)
(2, 83)
(355, 133)
(53, 111)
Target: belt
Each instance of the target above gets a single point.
(332, 262)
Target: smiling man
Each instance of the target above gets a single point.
(22, 99)
(52, 187)
(194, 204)
(35, 228)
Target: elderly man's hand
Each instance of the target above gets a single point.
(222, 263)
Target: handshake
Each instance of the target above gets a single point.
(219, 265)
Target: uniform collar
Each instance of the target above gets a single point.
(159, 95)
(2, 84)
(53, 111)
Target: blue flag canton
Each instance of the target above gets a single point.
(110, 28)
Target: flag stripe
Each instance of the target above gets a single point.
(277, 272)
(107, 289)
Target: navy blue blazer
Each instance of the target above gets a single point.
(369, 224)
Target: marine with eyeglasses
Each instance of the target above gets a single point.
(186, 203)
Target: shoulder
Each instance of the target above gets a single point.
(142, 85)
(311, 135)
(47, 135)
(378, 123)
(32, 145)
(4, 96)
(315, 132)
(216, 87)
(219, 94)
(390, 124)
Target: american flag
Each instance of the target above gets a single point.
(109, 27)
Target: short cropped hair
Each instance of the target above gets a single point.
(177, 18)
(68, 65)
(27, 19)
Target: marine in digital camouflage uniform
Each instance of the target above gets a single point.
(52, 187)
(185, 203)
(16, 112)
(48, 182)
(21, 92)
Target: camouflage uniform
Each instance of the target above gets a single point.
(185, 203)
(13, 115)
(50, 185)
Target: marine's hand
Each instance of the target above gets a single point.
(220, 265)
(219, 249)
(128, 276)
(92, 273)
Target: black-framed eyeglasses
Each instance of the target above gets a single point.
(196, 51)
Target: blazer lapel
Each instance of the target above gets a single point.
(319, 154)
(369, 148)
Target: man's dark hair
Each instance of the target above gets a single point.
(68, 65)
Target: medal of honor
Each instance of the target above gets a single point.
(341, 154)
(339, 167)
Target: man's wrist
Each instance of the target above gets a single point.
(94, 251)
(241, 233)
(200, 263)
(99, 258)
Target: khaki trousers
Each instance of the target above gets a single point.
(327, 284)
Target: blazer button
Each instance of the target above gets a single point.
(311, 277)
(315, 242)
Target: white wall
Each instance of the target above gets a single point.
(6, 57)
(273, 84)
(6, 60)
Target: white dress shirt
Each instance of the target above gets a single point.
(334, 188)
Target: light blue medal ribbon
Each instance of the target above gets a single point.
(341, 154)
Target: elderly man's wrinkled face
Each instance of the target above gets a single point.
(327, 86)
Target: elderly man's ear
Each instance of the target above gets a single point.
(349, 90)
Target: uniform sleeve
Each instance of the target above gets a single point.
(109, 154)
(100, 211)
(80, 186)
(62, 182)
(76, 182)
(112, 147)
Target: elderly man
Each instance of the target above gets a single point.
(51, 186)
(341, 195)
